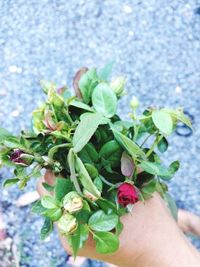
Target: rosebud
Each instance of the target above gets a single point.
(72, 202)
(134, 103)
(21, 158)
(117, 85)
(89, 195)
(67, 224)
(127, 194)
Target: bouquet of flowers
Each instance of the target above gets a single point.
(102, 164)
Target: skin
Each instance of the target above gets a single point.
(150, 238)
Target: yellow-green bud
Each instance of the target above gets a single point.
(72, 202)
(67, 224)
(117, 85)
(89, 195)
(134, 103)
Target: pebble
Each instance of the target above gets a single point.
(156, 46)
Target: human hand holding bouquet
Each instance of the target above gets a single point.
(102, 164)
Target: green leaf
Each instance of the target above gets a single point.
(163, 121)
(100, 221)
(49, 202)
(99, 184)
(78, 238)
(92, 170)
(49, 188)
(104, 100)
(38, 208)
(85, 178)
(85, 130)
(47, 228)
(162, 145)
(89, 154)
(105, 72)
(53, 214)
(62, 187)
(171, 205)
(106, 243)
(179, 115)
(149, 188)
(112, 152)
(81, 105)
(156, 168)
(10, 182)
(4, 134)
(12, 142)
(119, 228)
(87, 83)
(132, 148)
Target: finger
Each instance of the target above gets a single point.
(189, 222)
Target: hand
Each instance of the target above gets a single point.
(150, 238)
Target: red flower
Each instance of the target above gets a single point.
(127, 194)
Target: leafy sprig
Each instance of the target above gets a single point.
(92, 152)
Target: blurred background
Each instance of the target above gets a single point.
(156, 45)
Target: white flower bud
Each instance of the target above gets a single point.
(134, 103)
(72, 202)
(117, 85)
(67, 224)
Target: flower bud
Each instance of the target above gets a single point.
(67, 224)
(117, 85)
(89, 195)
(134, 103)
(20, 158)
(72, 202)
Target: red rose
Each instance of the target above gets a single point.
(127, 194)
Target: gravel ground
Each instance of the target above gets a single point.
(156, 45)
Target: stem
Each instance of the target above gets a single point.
(54, 149)
(68, 116)
(145, 140)
(156, 141)
(106, 182)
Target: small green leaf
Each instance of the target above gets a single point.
(162, 145)
(85, 130)
(100, 221)
(171, 205)
(49, 188)
(81, 105)
(87, 83)
(4, 134)
(154, 168)
(62, 187)
(180, 116)
(119, 228)
(89, 154)
(106, 242)
(149, 188)
(49, 202)
(105, 72)
(104, 100)
(53, 214)
(163, 121)
(10, 182)
(99, 184)
(78, 238)
(112, 152)
(47, 228)
(38, 208)
(132, 148)
(85, 178)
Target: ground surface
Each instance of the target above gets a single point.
(156, 44)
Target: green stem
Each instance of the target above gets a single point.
(71, 161)
(156, 141)
(106, 182)
(54, 149)
(145, 140)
